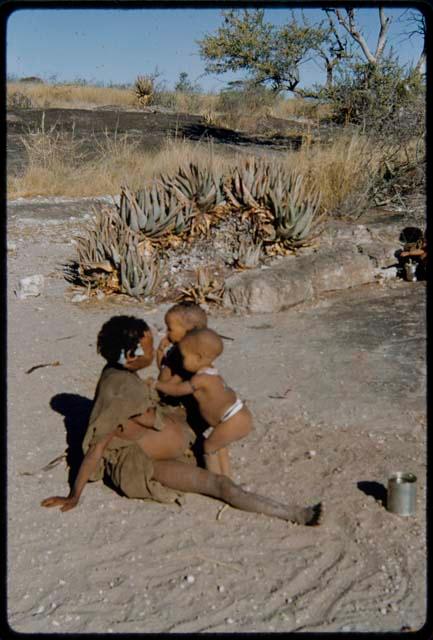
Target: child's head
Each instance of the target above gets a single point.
(126, 338)
(199, 348)
(184, 317)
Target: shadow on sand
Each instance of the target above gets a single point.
(375, 489)
(76, 411)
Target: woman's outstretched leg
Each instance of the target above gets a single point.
(190, 479)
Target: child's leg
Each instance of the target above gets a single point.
(227, 432)
(224, 460)
(190, 479)
(212, 462)
(218, 462)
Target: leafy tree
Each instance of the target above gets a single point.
(270, 55)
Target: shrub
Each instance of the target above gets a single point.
(372, 95)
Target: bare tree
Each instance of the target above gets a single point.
(348, 22)
(417, 26)
(337, 50)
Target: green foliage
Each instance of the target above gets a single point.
(268, 53)
(294, 207)
(371, 95)
(154, 211)
(199, 189)
(32, 79)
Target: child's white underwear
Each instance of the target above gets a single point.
(233, 410)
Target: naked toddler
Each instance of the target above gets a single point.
(227, 415)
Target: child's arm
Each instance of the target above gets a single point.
(173, 388)
(166, 375)
(88, 466)
(160, 351)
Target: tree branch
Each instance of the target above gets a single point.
(384, 26)
(350, 27)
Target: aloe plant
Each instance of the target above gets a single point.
(248, 253)
(139, 275)
(153, 211)
(294, 207)
(110, 257)
(200, 188)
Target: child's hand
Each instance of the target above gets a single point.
(160, 351)
(150, 382)
(65, 504)
(163, 345)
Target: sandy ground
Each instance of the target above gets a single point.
(338, 391)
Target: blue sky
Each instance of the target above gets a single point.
(111, 45)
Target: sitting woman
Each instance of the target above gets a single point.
(144, 447)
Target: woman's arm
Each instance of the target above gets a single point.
(146, 419)
(88, 466)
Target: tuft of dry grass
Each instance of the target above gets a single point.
(344, 169)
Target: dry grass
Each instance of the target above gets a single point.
(300, 108)
(44, 96)
(58, 166)
(344, 169)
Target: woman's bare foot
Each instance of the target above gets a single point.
(312, 516)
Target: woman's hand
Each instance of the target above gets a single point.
(65, 504)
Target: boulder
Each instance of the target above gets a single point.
(297, 279)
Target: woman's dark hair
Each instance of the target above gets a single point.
(120, 332)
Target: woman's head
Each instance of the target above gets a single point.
(126, 340)
(183, 317)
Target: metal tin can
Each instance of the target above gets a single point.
(410, 268)
(401, 496)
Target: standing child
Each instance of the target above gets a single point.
(180, 319)
(226, 414)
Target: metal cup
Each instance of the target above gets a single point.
(401, 497)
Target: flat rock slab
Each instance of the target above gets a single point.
(349, 255)
(297, 279)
